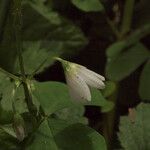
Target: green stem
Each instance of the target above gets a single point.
(109, 119)
(17, 27)
(9, 74)
(113, 28)
(37, 69)
(127, 16)
(3, 11)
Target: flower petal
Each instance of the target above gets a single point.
(91, 78)
(78, 89)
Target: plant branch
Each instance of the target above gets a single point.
(9, 74)
(37, 69)
(127, 16)
(109, 119)
(113, 28)
(17, 28)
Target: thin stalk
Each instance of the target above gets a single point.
(12, 76)
(17, 28)
(113, 28)
(109, 120)
(37, 69)
(127, 16)
(112, 25)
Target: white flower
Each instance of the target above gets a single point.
(79, 78)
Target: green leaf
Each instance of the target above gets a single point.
(138, 34)
(30, 123)
(7, 98)
(109, 89)
(88, 5)
(54, 96)
(47, 94)
(115, 49)
(64, 37)
(45, 37)
(73, 114)
(99, 100)
(135, 135)
(8, 129)
(43, 139)
(38, 55)
(6, 117)
(7, 142)
(12, 97)
(145, 82)
(46, 12)
(6, 114)
(131, 40)
(126, 62)
(7, 89)
(56, 134)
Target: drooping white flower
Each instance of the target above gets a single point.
(79, 78)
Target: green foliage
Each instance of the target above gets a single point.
(5, 116)
(7, 142)
(64, 37)
(88, 5)
(122, 65)
(72, 114)
(11, 95)
(47, 94)
(6, 86)
(138, 34)
(109, 89)
(145, 82)
(45, 34)
(116, 48)
(57, 122)
(134, 134)
(55, 36)
(133, 39)
(37, 56)
(19, 127)
(56, 134)
(46, 12)
(8, 128)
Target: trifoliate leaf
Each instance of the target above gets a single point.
(65, 37)
(37, 56)
(72, 114)
(134, 134)
(7, 141)
(57, 134)
(54, 96)
(109, 89)
(44, 38)
(11, 95)
(126, 62)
